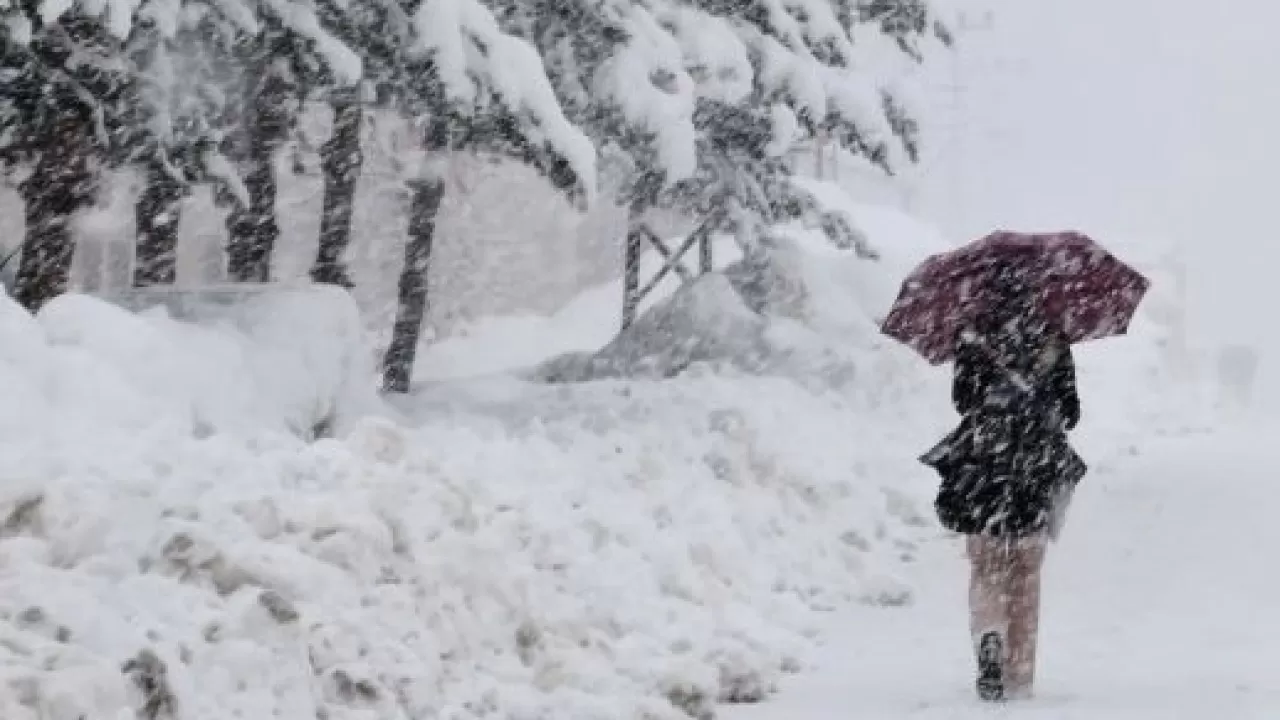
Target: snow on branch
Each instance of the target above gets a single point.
(474, 57)
(240, 14)
(17, 28)
(648, 83)
(301, 18)
(715, 57)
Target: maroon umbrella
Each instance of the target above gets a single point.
(1085, 291)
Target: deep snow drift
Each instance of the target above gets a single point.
(491, 547)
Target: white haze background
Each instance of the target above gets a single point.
(1143, 121)
(421, 553)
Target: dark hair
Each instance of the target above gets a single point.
(1009, 297)
(1008, 285)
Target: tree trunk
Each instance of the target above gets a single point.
(643, 197)
(62, 182)
(341, 159)
(397, 367)
(157, 213)
(253, 229)
(631, 270)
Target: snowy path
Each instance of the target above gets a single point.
(1161, 602)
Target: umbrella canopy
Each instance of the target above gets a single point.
(1082, 290)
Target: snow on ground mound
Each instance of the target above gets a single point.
(800, 307)
(853, 291)
(630, 557)
(617, 549)
(704, 321)
(612, 549)
(789, 312)
(637, 550)
(84, 375)
(206, 361)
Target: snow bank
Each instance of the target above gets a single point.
(705, 321)
(612, 549)
(617, 549)
(280, 360)
(623, 551)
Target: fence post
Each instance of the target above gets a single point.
(704, 253)
(631, 273)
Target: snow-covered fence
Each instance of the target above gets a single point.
(672, 260)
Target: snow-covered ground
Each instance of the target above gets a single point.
(492, 547)
(171, 532)
(1158, 604)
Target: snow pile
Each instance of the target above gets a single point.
(624, 551)
(622, 548)
(799, 310)
(601, 550)
(705, 321)
(283, 361)
(847, 294)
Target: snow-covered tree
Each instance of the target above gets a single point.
(467, 86)
(620, 76)
(181, 108)
(202, 81)
(684, 104)
(166, 84)
(289, 51)
(771, 72)
(380, 33)
(61, 116)
(695, 103)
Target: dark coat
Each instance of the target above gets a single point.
(1009, 460)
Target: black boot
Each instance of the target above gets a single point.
(991, 667)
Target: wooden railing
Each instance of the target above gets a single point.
(672, 261)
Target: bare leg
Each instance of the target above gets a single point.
(1023, 592)
(988, 600)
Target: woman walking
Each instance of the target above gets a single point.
(1006, 309)
(1006, 473)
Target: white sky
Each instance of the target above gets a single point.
(1131, 118)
